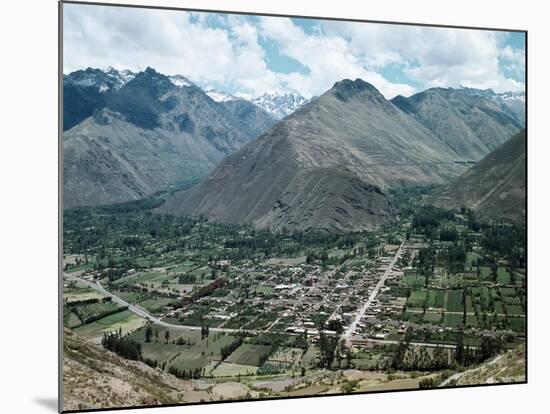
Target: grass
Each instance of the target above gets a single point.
(454, 301)
(228, 369)
(125, 320)
(503, 276)
(436, 299)
(248, 354)
(432, 317)
(417, 298)
(453, 320)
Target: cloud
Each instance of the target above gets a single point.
(225, 51)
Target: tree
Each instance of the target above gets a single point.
(148, 333)
(167, 335)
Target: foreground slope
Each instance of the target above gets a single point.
(324, 167)
(149, 134)
(473, 125)
(95, 378)
(494, 187)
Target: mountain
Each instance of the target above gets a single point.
(494, 187)
(280, 105)
(96, 378)
(513, 103)
(221, 96)
(324, 167)
(147, 135)
(85, 91)
(473, 125)
(253, 119)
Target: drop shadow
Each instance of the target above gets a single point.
(49, 403)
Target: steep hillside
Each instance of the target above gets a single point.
(472, 124)
(505, 368)
(149, 134)
(494, 187)
(324, 167)
(95, 378)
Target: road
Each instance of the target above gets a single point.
(353, 326)
(139, 311)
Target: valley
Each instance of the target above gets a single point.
(240, 312)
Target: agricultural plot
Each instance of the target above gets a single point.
(454, 301)
(417, 298)
(436, 299)
(125, 321)
(228, 369)
(248, 354)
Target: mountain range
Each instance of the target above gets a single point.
(323, 164)
(472, 122)
(494, 187)
(327, 166)
(128, 137)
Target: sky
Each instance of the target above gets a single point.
(250, 55)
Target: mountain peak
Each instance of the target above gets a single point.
(347, 88)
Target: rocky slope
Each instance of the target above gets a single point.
(472, 124)
(324, 167)
(148, 134)
(94, 378)
(494, 187)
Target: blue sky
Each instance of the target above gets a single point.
(250, 55)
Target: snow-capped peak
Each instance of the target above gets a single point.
(180, 80)
(280, 105)
(104, 80)
(220, 96)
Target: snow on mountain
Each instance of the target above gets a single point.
(180, 80)
(221, 96)
(280, 105)
(104, 80)
(512, 102)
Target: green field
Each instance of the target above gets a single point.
(454, 301)
(228, 369)
(248, 354)
(125, 320)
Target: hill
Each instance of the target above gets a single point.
(494, 187)
(146, 134)
(471, 123)
(324, 167)
(96, 378)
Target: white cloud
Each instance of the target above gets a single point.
(329, 58)
(224, 51)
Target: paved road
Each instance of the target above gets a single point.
(353, 326)
(139, 311)
(460, 374)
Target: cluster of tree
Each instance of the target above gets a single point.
(407, 358)
(186, 373)
(327, 347)
(205, 331)
(448, 234)
(211, 287)
(454, 258)
(506, 241)
(427, 220)
(122, 345)
(186, 279)
(229, 349)
(85, 316)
